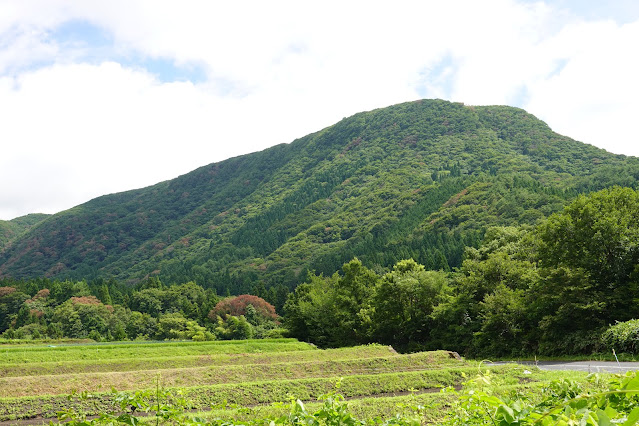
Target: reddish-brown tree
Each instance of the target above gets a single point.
(5, 291)
(236, 306)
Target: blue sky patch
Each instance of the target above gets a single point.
(167, 71)
(621, 11)
(96, 45)
(520, 97)
(78, 32)
(560, 64)
(440, 75)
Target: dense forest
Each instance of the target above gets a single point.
(421, 180)
(424, 225)
(12, 229)
(568, 285)
(109, 311)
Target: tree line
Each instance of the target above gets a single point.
(568, 285)
(108, 311)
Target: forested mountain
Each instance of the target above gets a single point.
(417, 180)
(11, 229)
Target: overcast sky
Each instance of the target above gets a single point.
(99, 97)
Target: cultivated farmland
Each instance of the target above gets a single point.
(230, 379)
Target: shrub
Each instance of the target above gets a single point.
(234, 328)
(623, 336)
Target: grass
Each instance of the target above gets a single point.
(265, 391)
(31, 342)
(363, 408)
(218, 374)
(188, 361)
(23, 354)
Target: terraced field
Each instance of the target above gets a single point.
(237, 379)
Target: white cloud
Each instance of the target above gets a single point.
(80, 124)
(99, 129)
(594, 97)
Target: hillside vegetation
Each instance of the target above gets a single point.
(552, 289)
(419, 180)
(12, 229)
(568, 285)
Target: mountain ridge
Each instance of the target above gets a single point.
(421, 179)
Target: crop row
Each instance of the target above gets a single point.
(263, 392)
(37, 354)
(139, 363)
(210, 375)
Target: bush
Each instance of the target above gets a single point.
(29, 331)
(234, 328)
(623, 336)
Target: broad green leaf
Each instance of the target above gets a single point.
(602, 419)
(506, 412)
(632, 384)
(633, 417)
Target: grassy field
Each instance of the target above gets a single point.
(237, 379)
(19, 354)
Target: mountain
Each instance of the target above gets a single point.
(422, 179)
(12, 229)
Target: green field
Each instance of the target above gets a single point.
(238, 380)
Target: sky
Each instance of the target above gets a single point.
(98, 97)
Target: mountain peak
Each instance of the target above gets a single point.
(420, 179)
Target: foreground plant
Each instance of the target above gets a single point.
(140, 407)
(600, 401)
(564, 402)
(162, 406)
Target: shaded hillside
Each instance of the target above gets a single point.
(12, 229)
(421, 179)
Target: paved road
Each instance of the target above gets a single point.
(589, 366)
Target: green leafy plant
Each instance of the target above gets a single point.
(563, 402)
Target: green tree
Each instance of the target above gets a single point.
(503, 268)
(333, 311)
(80, 316)
(148, 300)
(505, 323)
(309, 311)
(403, 302)
(10, 303)
(590, 254)
(233, 328)
(598, 233)
(172, 326)
(141, 326)
(352, 298)
(571, 311)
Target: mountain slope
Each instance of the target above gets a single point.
(12, 229)
(420, 179)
